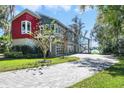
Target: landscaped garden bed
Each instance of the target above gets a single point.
(112, 77)
(16, 64)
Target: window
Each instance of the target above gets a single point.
(41, 27)
(56, 30)
(59, 49)
(25, 27)
(52, 26)
(28, 26)
(48, 26)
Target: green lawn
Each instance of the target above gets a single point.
(7, 65)
(112, 77)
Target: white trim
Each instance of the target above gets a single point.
(26, 11)
(26, 25)
(58, 49)
(22, 32)
(29, 31)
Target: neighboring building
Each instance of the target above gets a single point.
(25, 23)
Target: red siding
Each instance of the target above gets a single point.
(16, 25)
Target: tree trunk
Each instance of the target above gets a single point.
(63, 53)
(117, 42)
(44, 57)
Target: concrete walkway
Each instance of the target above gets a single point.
(61, 75)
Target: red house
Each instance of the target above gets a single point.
(26, 22)
(23, 24)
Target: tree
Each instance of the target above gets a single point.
(109, 27)
(63, 42)
(110, 18)
(4, 40)
(101, 34)
(77, 27)
(114, 17)
(6, 15)
(44, 36)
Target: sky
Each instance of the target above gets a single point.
(63, 13)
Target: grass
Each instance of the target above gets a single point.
(8, 65)
(112, 77)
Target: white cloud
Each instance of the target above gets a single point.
(87, 9)
(66, 7)
(59, 7)
(32, 7)
(77, 10)
(50, 7)
(55, 7)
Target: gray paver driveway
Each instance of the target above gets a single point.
(61, 75)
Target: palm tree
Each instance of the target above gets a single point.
(77, 26)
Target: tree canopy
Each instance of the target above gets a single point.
(109, 27)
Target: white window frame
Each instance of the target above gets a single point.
(26, 31)
(59, 49)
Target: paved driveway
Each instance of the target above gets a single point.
(61, 75)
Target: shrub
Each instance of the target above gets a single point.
(31, 56)
(16, 48)
(24, 49)
(21, 55)
(27, 49)
(13, 54)
(26, 52)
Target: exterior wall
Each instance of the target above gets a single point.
(57, 49)
(23, 41)
(70, 42)
(16, 25)
(70, 47)
(59, 30)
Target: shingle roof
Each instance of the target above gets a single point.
(43, 15)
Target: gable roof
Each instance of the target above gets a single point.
(26, 11)
(49, 17)
(60, 23)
